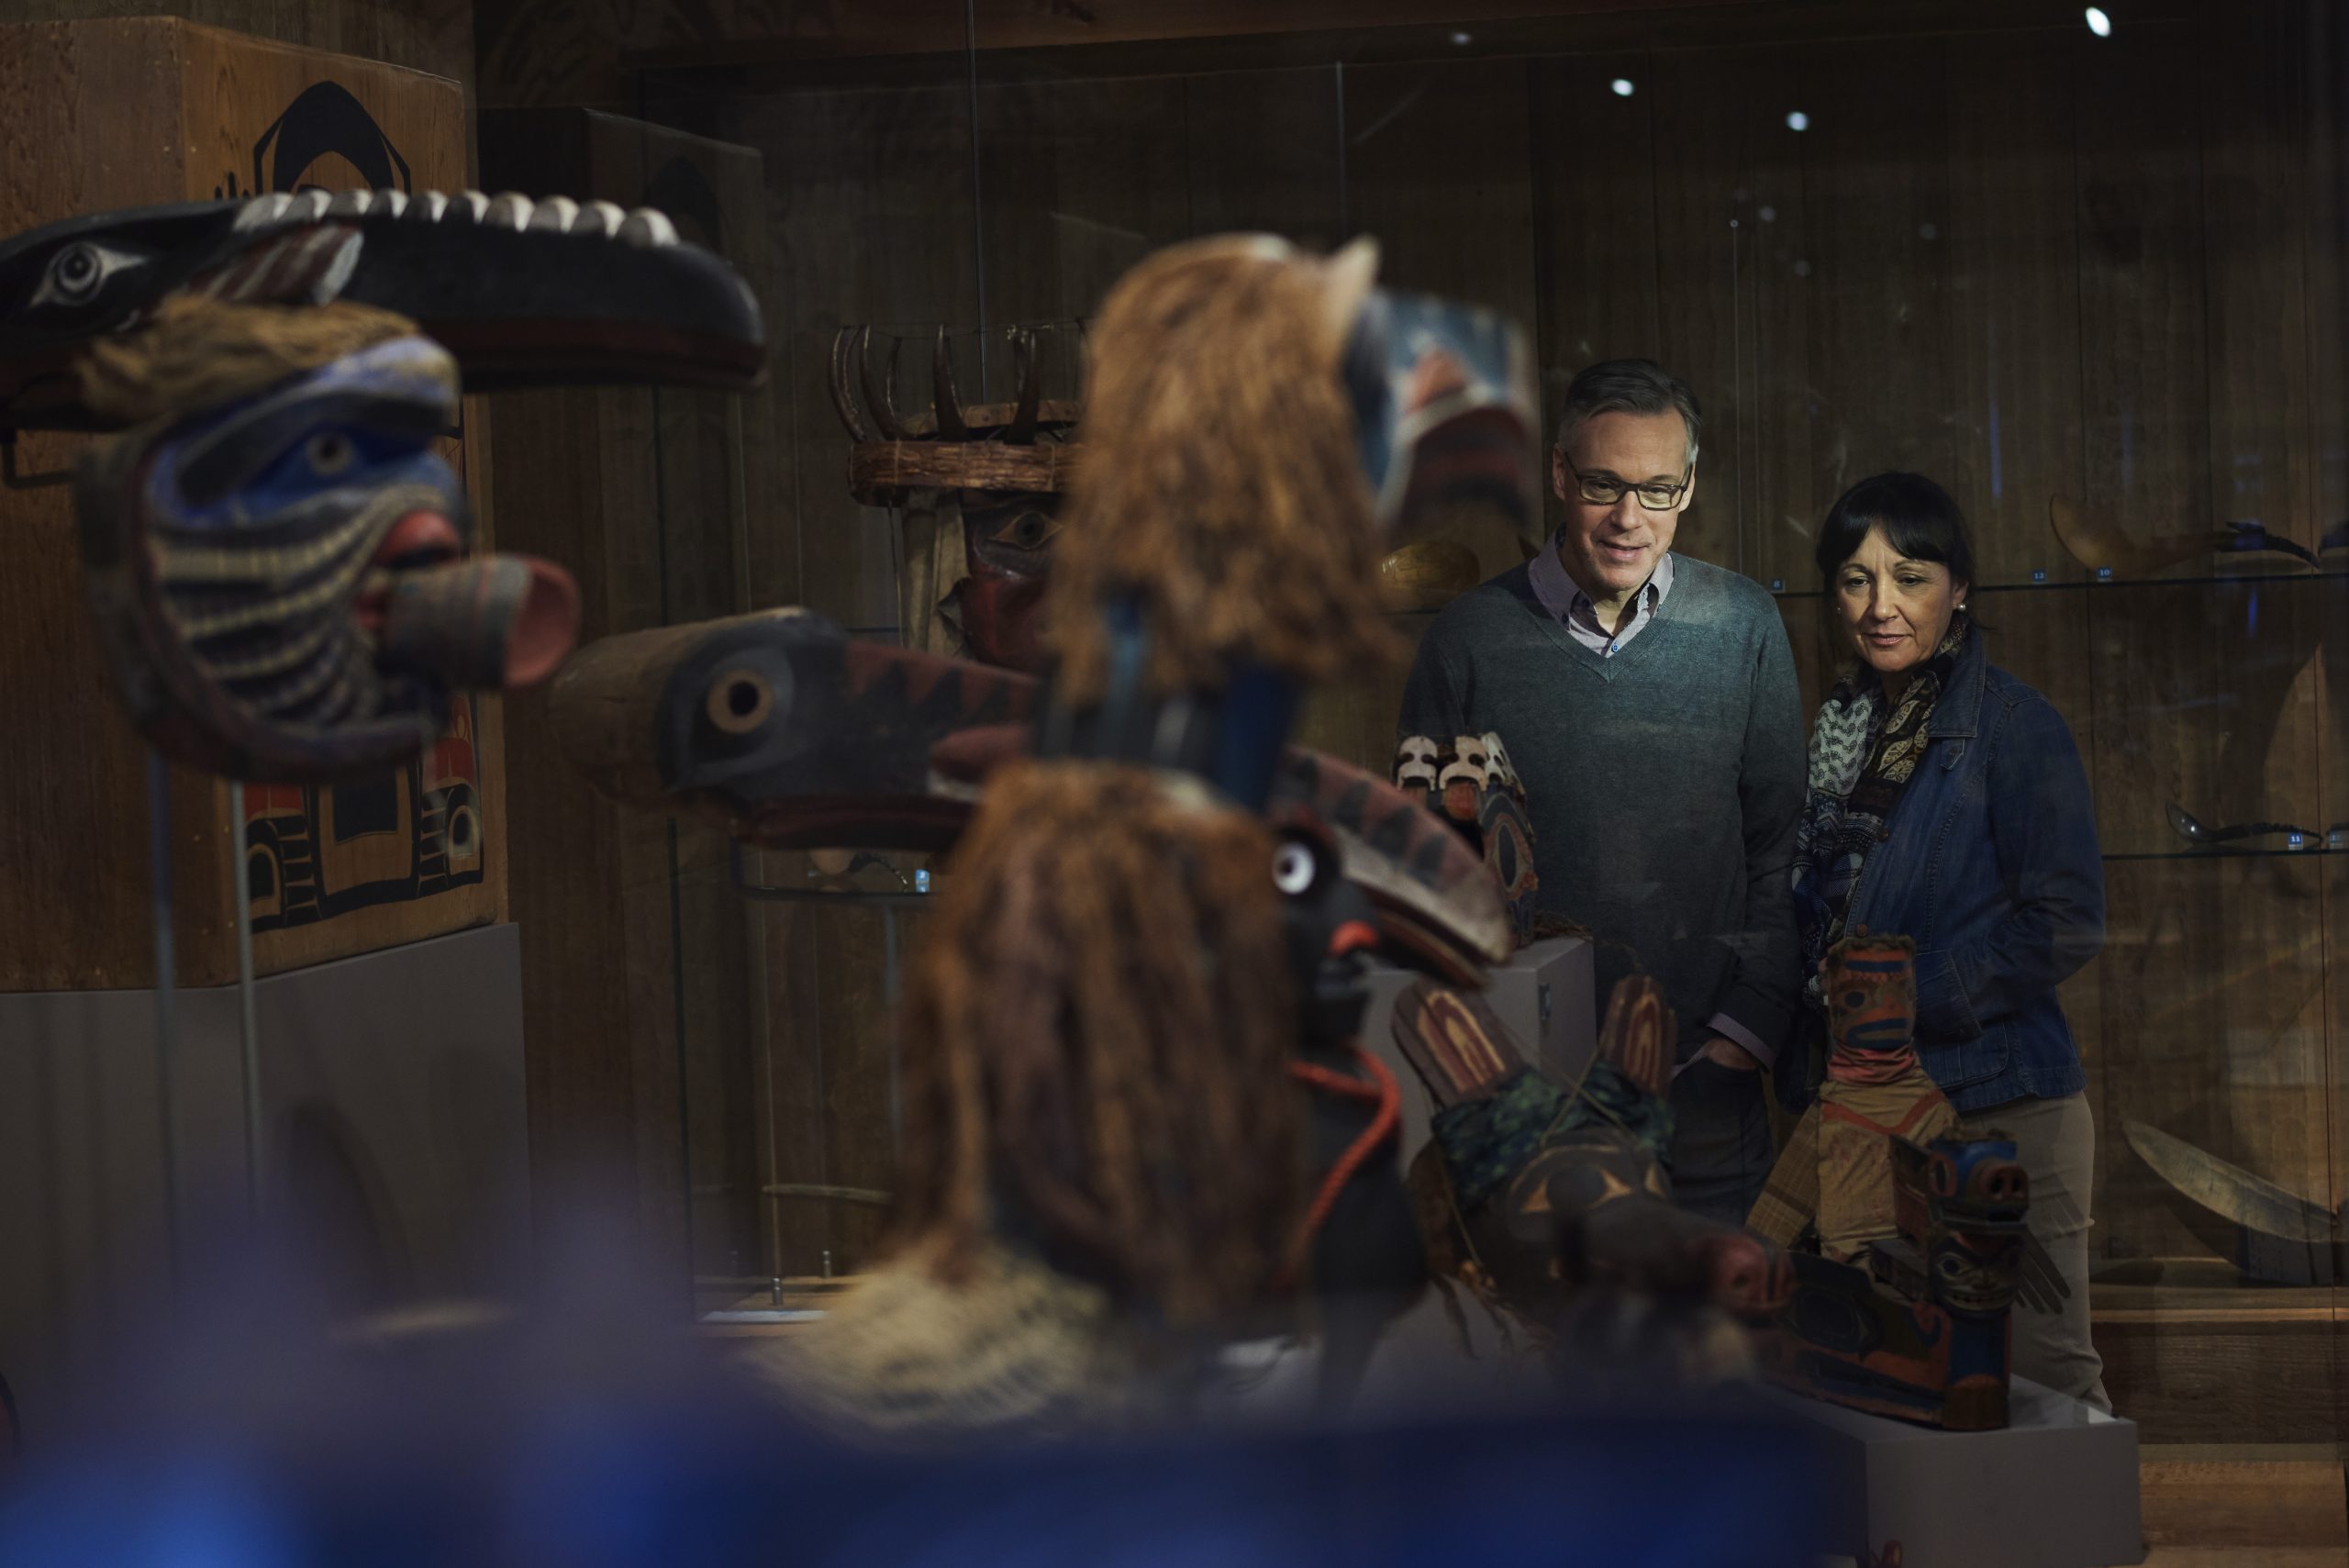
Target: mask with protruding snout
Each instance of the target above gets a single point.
(283, 583)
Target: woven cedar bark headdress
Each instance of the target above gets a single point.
(977, 489)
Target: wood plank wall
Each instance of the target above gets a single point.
(640, 961)
(2028, 262)
(423, 35)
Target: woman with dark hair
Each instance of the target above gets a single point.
(1947, 802)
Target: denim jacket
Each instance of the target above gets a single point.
(1990, 864)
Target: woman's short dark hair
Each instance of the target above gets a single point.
(1917, 515)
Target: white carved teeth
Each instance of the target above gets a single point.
(599, 218)
(646, 228)
(508, 209)
(643, 227)
(262, 211)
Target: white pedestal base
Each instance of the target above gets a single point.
(2057, 1488)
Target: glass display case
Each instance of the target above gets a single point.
(2073, 265)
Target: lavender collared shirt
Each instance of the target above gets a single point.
(1574, 610)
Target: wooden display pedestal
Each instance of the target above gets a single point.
(102, 114)
(2057, 1487)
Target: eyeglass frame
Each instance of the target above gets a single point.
(1672, 494)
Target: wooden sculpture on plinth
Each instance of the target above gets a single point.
(1919, 1230)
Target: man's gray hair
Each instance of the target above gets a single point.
(1629, 386)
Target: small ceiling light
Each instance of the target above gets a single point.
(1797, 120)
(1462, 40)
(1622, 85)
(2098, 23)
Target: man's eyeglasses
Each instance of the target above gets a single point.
(1602, 491)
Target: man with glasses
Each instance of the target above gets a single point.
(1648, 702)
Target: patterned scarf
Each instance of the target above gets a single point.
(1861, 762)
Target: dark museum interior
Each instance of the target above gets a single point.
(1175, 780)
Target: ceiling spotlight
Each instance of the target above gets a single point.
(1797, 120)
(1462, 40)
(1622, 85)
(2098, 23)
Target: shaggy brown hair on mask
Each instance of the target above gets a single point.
(1097, 1031)
(1221, 488)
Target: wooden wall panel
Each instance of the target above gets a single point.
(873, 221)
(1706, 218)
(872, 218)
(2014, 310)
(2144, 372)
(422, 35)
(1877, 220)
(1594, 214)
(1263, 154)
(2255, 212)
(1077, 182)
(1439, 170)
(640, 1033)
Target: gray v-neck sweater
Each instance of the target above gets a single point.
(1664, 781)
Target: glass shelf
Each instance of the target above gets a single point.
(2316, 845)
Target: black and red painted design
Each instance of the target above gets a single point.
(314, 851)
(1469, 782)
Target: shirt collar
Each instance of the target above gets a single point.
(1561, 595)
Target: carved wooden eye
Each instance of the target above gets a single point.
(1294, 868)
(1026, 529)
(77, 271)
(329, 452)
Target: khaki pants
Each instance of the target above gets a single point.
(2056, 1140)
